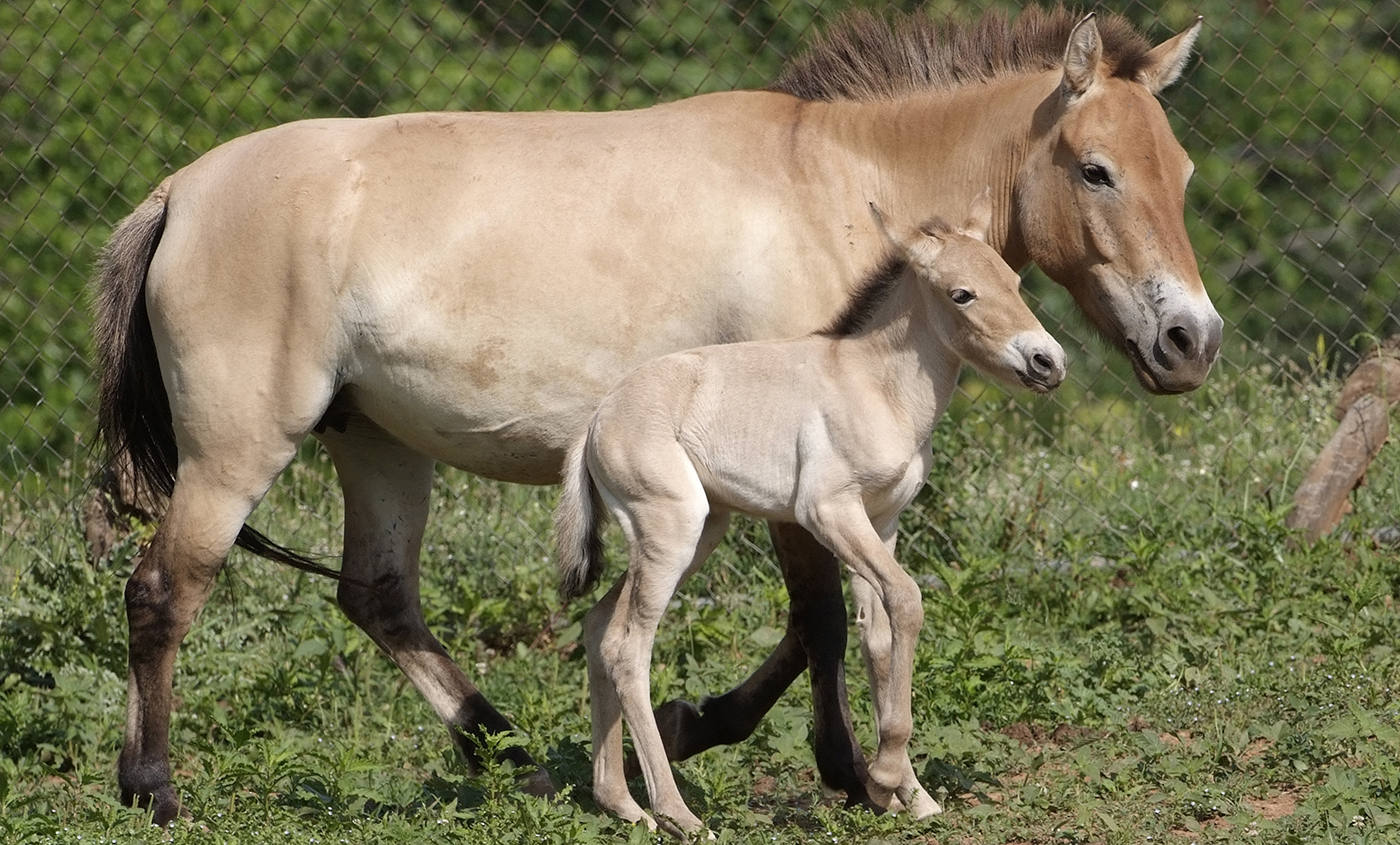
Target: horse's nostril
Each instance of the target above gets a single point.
(1183, 339)
(1042, 363)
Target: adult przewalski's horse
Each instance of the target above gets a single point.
(464, 288)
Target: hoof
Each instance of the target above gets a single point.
(162, 802)
(857, 798)
(921, 805)
(685, 830)
(537, 783)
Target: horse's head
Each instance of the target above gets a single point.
(975, 298)
(1101, 207)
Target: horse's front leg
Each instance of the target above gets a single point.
(387, 488)
(815, 638)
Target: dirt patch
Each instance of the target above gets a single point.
(1277, 805)
(1255, 749)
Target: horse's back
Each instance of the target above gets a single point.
(478, 279)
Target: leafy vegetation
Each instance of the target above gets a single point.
(1123, 643)
(1175, 667)
(1291, 113)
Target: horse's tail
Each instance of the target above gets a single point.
(134, 418)
(578, 523)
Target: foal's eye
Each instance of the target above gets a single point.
(962, 296)
(1096, 174)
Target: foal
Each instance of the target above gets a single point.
(830, 431)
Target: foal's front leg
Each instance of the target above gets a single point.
(844, 526)
(875, 640)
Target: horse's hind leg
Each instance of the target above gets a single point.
(387, 488)
(815, 639)
(216, 487)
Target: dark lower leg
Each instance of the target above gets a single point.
(387, 488)
(156, 625)
(819, 621)
(686, 730)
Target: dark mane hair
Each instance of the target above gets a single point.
(877, 285)
(874, 290)
(865, 56)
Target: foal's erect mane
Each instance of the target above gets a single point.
(876, 287)
(873, 290)
(864, 56)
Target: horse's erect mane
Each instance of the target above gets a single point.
(864, 56)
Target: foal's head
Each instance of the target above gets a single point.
(976, 300)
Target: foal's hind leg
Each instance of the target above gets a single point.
(815, 639)
(387, 488)
(604, 629)
(669, 536)
(216, 487)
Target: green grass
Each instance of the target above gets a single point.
(1122, 642)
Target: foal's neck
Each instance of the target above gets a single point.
(901, 349)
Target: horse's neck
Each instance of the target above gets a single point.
(900, 348)
(932, 153)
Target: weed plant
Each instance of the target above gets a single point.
(1123, 643)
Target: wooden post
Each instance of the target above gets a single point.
(1364, 409)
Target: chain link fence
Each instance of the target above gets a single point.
(1291, 113)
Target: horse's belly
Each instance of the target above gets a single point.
(514, 429)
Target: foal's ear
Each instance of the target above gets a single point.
(979, 217)
(1082, 56)
(906, 240)
(900, 241)
(1163, 64)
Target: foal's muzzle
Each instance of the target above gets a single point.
(1043, 363)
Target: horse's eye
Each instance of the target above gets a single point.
(1096, 174)
(962, 296)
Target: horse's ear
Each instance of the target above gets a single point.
(1082, 56)
(880, 226)
(1164, 63)
(979, 216)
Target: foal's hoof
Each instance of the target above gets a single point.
(685, 830)
(921, 805)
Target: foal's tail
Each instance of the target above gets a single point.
(133, 415)
(578, 523)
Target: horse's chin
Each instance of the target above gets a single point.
(1147, 377)
(1032, 383)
